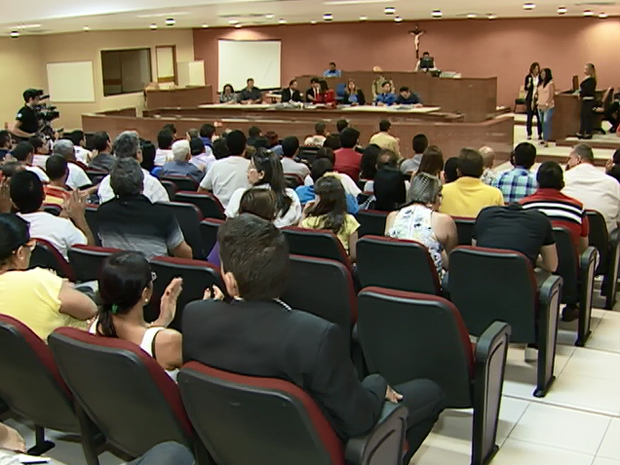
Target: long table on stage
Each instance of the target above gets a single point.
(447, 130)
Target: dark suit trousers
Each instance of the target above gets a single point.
(531, 113)
(424, 400)
(587, 117)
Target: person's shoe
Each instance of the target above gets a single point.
(588, 136)
(529, 137)
(570, 313)
(531, 353)
(579, 135)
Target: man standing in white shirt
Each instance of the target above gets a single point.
(78, 179)
(591, 186)
(127, 145)
(230, 173)
(27, 195)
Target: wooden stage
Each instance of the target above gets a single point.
(447, 130)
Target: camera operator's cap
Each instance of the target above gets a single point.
(32, 93)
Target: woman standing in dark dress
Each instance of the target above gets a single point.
(587, 94)
(531, 84)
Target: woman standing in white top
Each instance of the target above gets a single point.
(546, 103)
(265, 171)
(126, 286)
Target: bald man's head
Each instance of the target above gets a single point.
(488, 156)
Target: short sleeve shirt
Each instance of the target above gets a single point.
(28, 118)
(134, 223)
(349, 227)
(516, 184)
(513, 228)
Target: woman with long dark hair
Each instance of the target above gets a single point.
(531, 85)
(265, 171)
(432, 161)
(546, 103)
(587, 94)
(126, 287)
(228, 94)
(353, 95)
(329, 212)
(326, 95)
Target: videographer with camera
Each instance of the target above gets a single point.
(26, 122)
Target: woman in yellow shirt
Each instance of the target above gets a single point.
(38, 298)
(329, 211)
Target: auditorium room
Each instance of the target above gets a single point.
(310, 232)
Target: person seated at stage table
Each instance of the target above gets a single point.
(250, 94)
(165, 139)
(468, 195)
(353, 95)
(228, 94)
(425, 56)
(329, 212)
(520, 181)
(406, 97)
(290, 146)
(562, 210)
(591, 186)
(265, 171)
(348, 160)
(291, 93)
(326, 95)
(180, 164)
(387, 97)
(411, 164)
(377, 84)
(313, 92)
(257, 334)
(332, 71)
(421, 221)
(384, 139)
(324, 167)
(230, 172)
(318, 139)
(488, 158)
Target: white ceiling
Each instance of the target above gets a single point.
(44, 16)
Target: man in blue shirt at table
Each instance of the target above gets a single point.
(406, 97)
(332, 71)
(323, 167)
(387, 97)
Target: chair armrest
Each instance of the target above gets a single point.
(614, 238)
(549, 296)
(547, 288)
(587, 257)
(383, 445)
(355, 336)
(489, 344)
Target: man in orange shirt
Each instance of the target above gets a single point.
(56, 191)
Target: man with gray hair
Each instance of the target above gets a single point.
(127, 145)
(488, 158)
(591, 186)
(130, 221)
(180, 165)
(77, 179)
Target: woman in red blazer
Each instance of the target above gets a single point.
(326, 95)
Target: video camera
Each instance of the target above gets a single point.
(45, 112)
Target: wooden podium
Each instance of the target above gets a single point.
(184, 97)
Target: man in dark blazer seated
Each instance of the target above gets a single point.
(259, 335)
(291, 93)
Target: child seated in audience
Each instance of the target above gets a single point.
(329, 211)
(126, 287)
(37, 297)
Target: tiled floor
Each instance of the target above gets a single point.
(577, 423)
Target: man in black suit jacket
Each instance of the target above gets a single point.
(259, 335)
(291, 94)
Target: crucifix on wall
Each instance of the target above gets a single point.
(417, 33)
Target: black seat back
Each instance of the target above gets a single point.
(90, 213)
(372, 222)
(46, 256)
(488, 285)
(599, 239)
(411, 267)
(464, 229)
(189, 218)
(182, 183)
(208, 204)
(87, 261)
(316, 243)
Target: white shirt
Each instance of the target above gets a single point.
(39, 172)
(315, 141)
(596, 190)
(77, 177)
(349, 185)
(82, 155)
(290, 166)
(162, 156)
(226, 176)
(291, 218)
(40, 161)
(60, 232)
(203, 161)
(153, 189)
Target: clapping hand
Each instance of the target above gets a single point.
(168, 305)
